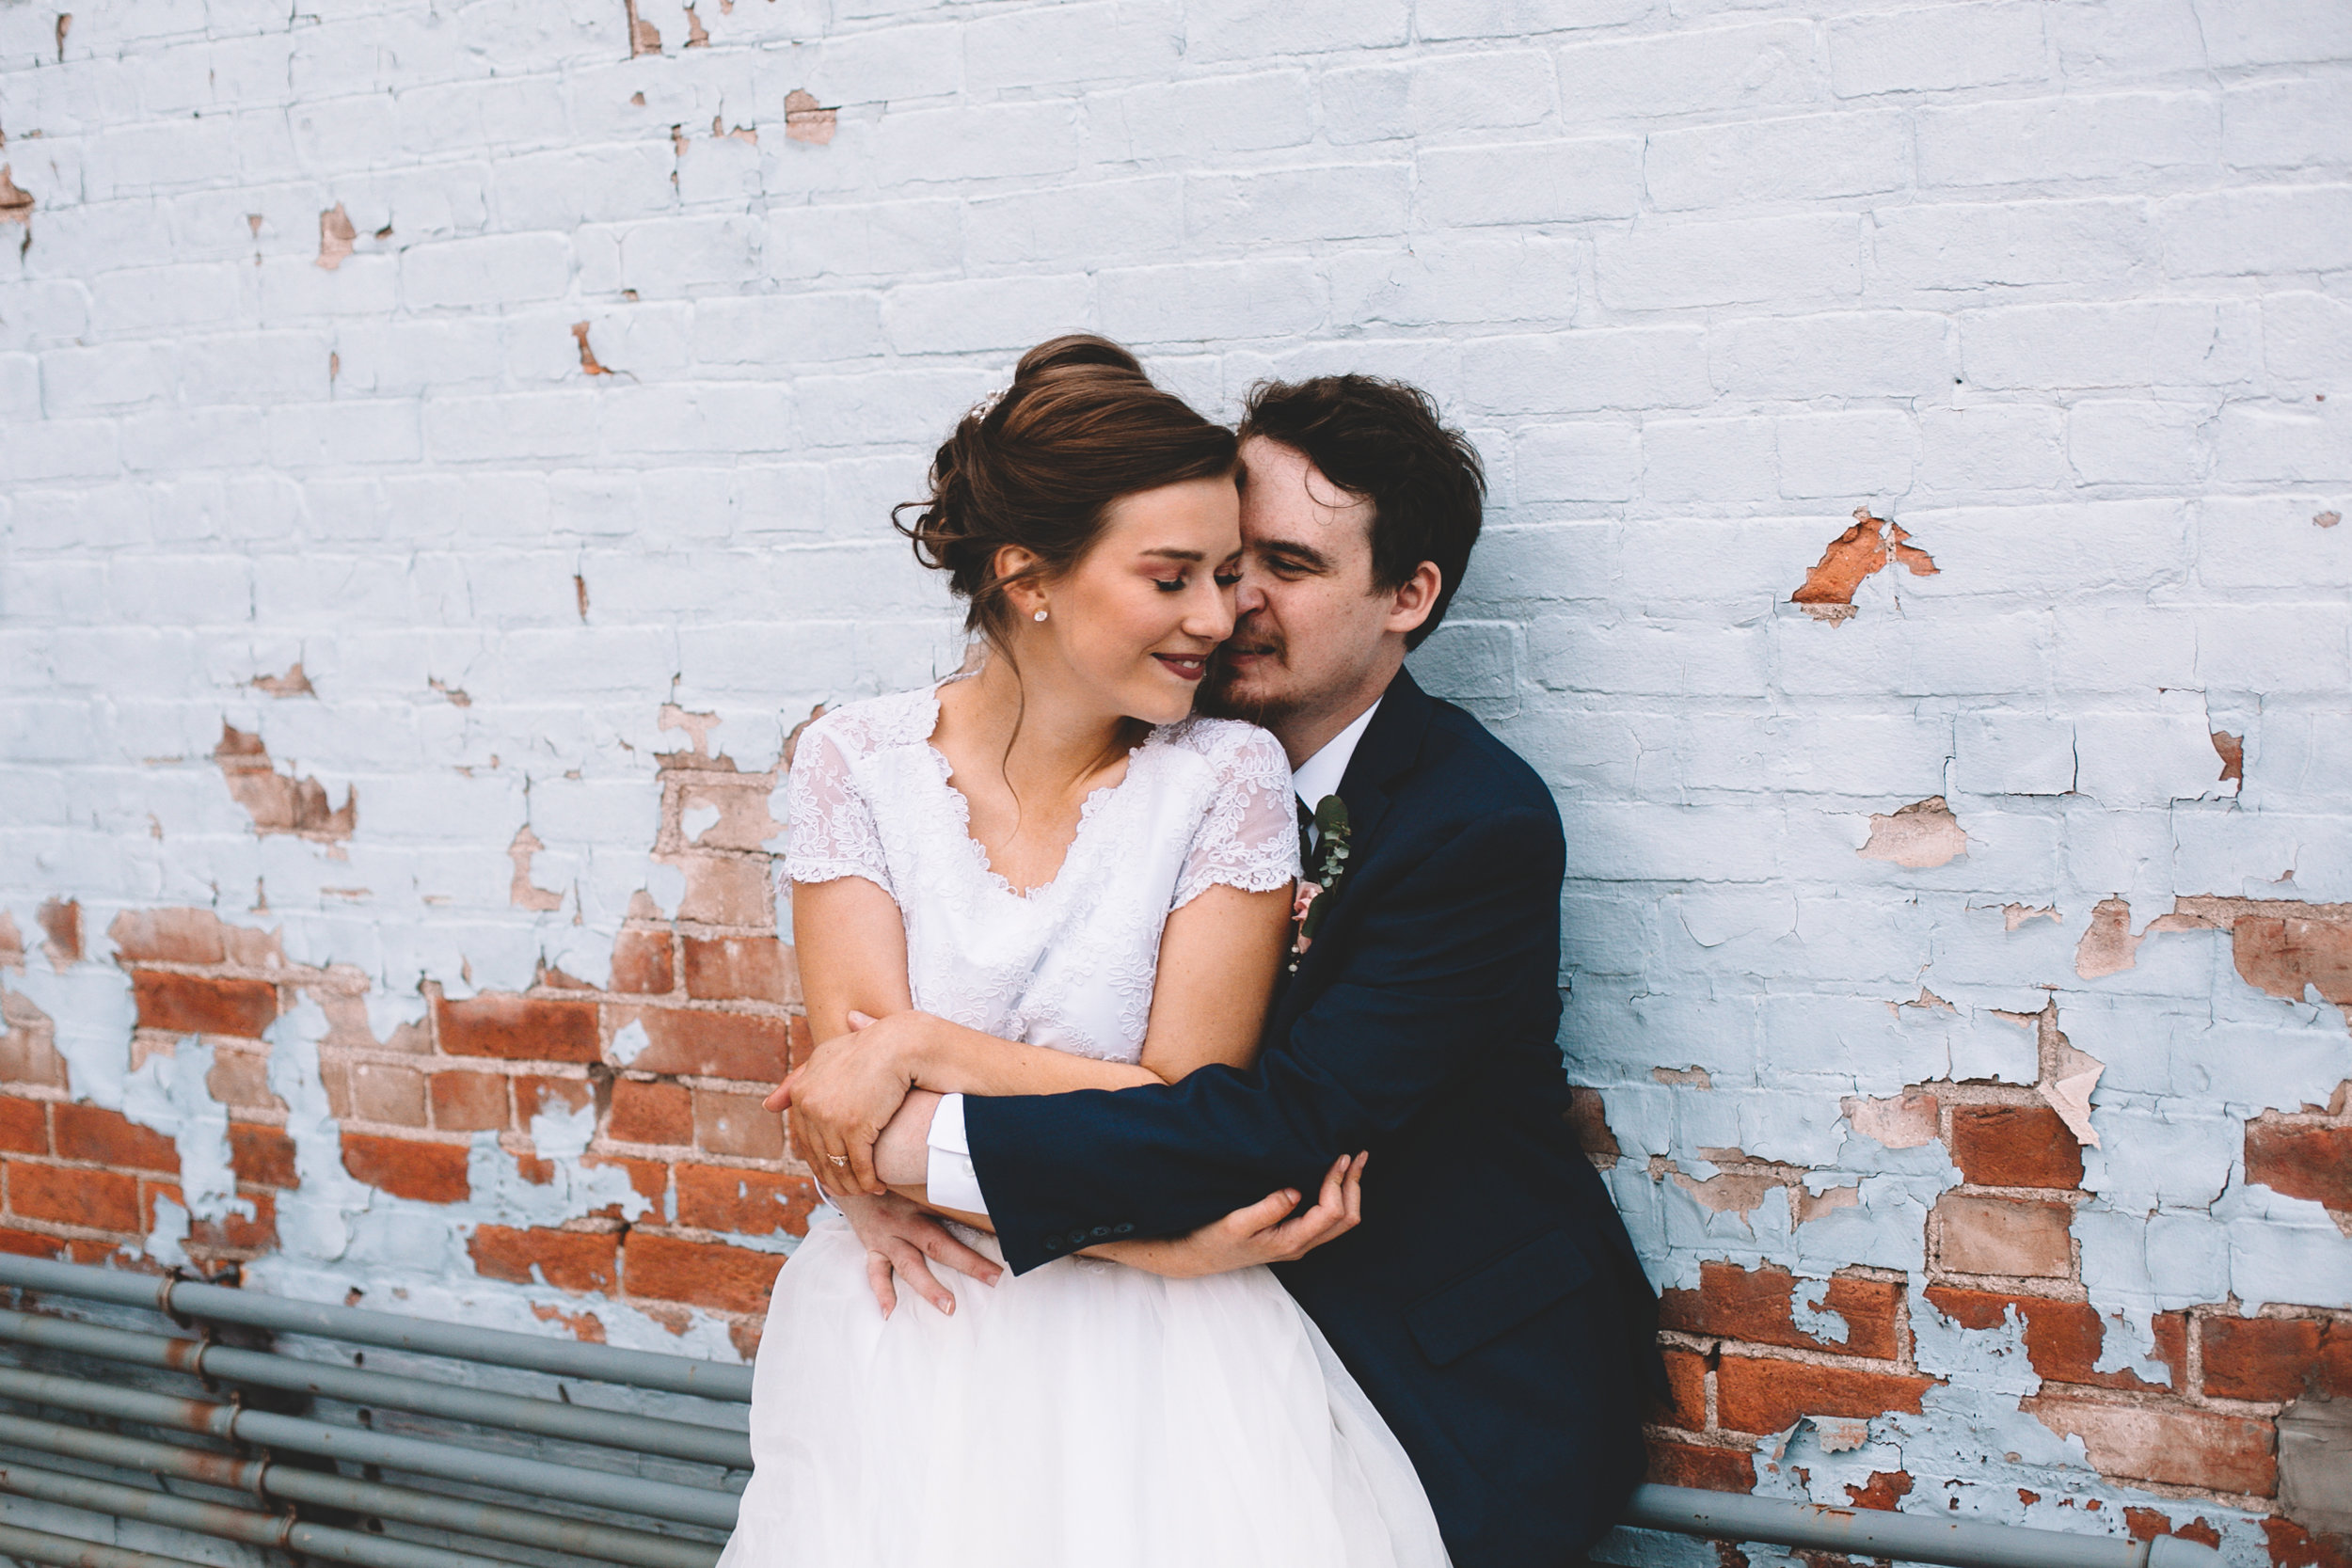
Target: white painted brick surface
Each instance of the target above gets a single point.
(2062, 288)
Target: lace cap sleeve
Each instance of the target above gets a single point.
(829, 828)
(1248, 838)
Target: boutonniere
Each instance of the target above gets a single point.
(1331, 866)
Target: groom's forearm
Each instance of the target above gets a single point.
(902, 1153)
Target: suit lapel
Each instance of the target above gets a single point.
(1391, 747)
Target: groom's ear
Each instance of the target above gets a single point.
(1415, 597)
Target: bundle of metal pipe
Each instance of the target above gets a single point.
(63, 1551)
(477, 1526)
(260, 1476)
(182, 1298)
(1728, 1516)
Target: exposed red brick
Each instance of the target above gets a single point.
(2063, 1339)
(1686, 1390)
(381, 1092)
(698, 1274)
(29, 1243)
(431, 1173)
(100, 1199)
(23, 1125)
(576, 1260)
(1756, 1306)
(1983, 1235)
(756, 969)
(2015, 1145)
(2146, 1523)
(182, 936)
(586, 1326)
(2175, 1447)
(1710, 1469)
(726, 890)
(1589, 1117)
(1886, 1489)
(715, 1045)
(241, 1078)
(2293, 1547)
(281, 802)
(232, 1232)
(533, 1094)
(642, 963)
(28, 1055)
(2303, 1159)
(2284, 954)
(2276, 1359)
(1828, 588)
(110, 1138)
(734, 1124)
(648, 1179)
(11, 943)
(747, 1202)
(1754, 1393)
(62, 923)
(203, 1004)
(470, 1102)
(518, 1029)
(650, 1112)
(261, 1155)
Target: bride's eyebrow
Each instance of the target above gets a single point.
(1168, 552)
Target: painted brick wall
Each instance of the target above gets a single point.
(446, 454)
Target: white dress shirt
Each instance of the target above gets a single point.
(949, 1177)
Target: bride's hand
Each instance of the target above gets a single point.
(902, 1239)
(1257, 1234)
(840, 1100)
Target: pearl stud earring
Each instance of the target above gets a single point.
(1039, 616)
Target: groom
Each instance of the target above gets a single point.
(1489, 1302)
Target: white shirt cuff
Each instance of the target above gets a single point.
(949, 1179)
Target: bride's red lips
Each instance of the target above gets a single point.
(1190, 667)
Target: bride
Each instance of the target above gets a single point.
(1053, 853)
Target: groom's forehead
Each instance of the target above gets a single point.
(1286, 499)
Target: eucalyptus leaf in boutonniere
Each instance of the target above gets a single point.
(1330, 868)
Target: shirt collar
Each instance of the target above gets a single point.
(1320, 774)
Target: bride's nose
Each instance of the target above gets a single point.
(1211, 613)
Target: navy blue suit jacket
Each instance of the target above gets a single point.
(1491, 1303)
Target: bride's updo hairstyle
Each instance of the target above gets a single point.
(1080, 426)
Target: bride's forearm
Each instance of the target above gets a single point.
(953, 1059)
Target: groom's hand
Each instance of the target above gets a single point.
(902, 1240)
(1266, 1232)
(842, 1097)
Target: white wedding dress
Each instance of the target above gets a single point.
(1084, 1415)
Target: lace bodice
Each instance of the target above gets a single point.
(1070, 963)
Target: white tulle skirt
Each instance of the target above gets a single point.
(1084, 1415)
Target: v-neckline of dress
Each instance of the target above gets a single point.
(961, 804)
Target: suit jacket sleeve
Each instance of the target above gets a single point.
(1439, 971)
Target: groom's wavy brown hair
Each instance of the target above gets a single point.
(1385, 441)
(1080, 426)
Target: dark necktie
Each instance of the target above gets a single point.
(1306, 835)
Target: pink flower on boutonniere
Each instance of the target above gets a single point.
(1308, 892)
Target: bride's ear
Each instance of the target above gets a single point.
(1027, 596)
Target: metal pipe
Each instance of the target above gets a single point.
(512, 1412)
(448, 1461)
(588, 1538)
(638, 1369)
(64, 1551)
(1903, 1537)
(279, 1531)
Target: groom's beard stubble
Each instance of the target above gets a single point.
(1219, 699)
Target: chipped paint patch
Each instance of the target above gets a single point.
(1922, 834)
